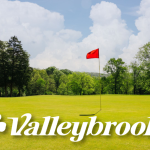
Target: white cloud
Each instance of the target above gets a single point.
(43, 35)
(104, 13)
(108, 32)
(136, 41)
(31, 23)
(69, 35)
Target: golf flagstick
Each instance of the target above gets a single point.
(99, 80)
(100, 89)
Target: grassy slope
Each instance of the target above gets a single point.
(114, 108)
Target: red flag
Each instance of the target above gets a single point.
(93, 54)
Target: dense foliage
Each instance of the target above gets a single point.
(17, 78)
(14, 68)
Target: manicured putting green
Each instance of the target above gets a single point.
(117, 108)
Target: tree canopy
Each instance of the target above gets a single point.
(116, 67)
(14, 66)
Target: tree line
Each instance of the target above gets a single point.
(17, 78)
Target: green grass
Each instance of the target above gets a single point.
(114, 108)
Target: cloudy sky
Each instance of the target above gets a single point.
(61, 32)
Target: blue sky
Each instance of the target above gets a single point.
(76, 12)
(61, 32)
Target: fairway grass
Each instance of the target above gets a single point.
(117, 108)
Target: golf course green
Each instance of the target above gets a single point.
(119, 108)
